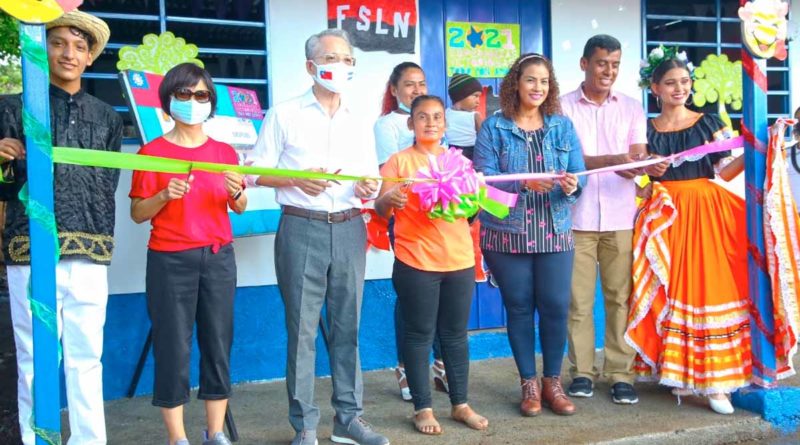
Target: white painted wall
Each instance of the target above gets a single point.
(575, 21)
(292, 21)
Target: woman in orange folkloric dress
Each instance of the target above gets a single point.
(689, 318)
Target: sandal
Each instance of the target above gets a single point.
(402, 382)
(426, 423)
(464, 414)
(439, 376)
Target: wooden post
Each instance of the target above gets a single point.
(754, 129)
(42, 290)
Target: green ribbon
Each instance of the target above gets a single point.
(44, 314)
(36, 211)
(38, 132)
(6, 173)
(49, 436)
(495, 208)
(131, 161)
(469, 206)
(34, 52)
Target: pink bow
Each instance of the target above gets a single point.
(448, 175)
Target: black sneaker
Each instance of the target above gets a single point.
(580, 387)
(624, 394)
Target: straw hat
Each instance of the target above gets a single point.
(88, 24)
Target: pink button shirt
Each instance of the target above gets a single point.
(608, 202)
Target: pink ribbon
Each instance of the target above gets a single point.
(505, 198)
(713, 147)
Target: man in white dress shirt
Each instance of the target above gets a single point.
(320, 254)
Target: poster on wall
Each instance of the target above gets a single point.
(483, 50)
(236, 122)
(376, 25)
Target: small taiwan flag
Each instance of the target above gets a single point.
(327, 75)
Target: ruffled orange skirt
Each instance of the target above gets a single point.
(689, 317)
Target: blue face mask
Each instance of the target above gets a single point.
(403, 107)
(190, 112)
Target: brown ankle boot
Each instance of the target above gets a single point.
(554, 397)
(531, 404)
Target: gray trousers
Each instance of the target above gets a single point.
(316, 263)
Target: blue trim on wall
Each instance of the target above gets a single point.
(255, 222)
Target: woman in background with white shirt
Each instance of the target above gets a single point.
(392, 134)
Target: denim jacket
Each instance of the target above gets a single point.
(501, 148)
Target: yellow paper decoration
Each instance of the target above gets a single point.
(38, 11)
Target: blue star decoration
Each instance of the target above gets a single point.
(475, 37)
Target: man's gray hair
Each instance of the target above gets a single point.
(312, 44)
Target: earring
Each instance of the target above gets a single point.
(658, 102)
(690, 100)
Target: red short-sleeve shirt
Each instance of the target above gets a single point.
(200, 218)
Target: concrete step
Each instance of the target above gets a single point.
(260, 411)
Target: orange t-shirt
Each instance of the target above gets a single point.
(432, 245)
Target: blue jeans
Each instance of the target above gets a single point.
(529, 283)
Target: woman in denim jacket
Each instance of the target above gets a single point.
(530, 252)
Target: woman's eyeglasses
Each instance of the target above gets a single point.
(184, 94)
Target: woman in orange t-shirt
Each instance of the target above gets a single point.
(433, 274)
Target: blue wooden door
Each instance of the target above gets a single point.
(533, 16)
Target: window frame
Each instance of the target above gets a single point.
(718, 20)
(164, 20)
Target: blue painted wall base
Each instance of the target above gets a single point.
(259, 348)
(779, 406)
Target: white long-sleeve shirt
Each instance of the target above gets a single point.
(299, 134)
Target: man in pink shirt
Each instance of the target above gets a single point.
(613, 131)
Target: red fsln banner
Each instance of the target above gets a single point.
(376, 25)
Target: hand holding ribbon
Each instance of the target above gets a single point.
(177, 188)
(365, 188)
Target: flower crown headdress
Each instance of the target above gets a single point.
(658, 56)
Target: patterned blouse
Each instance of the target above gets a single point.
(539, 236)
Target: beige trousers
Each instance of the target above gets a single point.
(613, 252)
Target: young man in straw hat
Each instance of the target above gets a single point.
(84, 209)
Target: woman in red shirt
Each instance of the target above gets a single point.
(191, 268)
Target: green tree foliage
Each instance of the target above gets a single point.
(10, 72)
(10, 76)
(9, 35)
(718, 80)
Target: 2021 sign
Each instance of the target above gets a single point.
(484, 50)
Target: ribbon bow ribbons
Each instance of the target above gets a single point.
(450, 188)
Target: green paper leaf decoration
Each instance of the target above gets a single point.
(158, 54)
(718, 80)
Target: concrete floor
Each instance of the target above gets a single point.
(260, 411)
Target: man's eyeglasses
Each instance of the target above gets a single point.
(184, 94)
(329, 58)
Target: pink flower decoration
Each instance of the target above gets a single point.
(451, 174)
